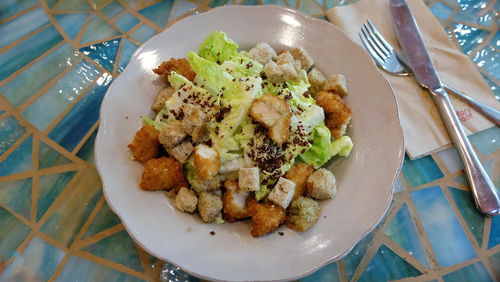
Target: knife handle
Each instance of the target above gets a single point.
(485, 193)
(488, 112)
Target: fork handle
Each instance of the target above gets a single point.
(485, 193)
(487, 111)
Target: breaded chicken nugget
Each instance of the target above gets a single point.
(162, 174)
(265, 217)
(299, 174)
(206, 161)
(180, 66)
(234, 202)
(145, 145)
(338, 114)
(274, 114)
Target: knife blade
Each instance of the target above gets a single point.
(484, 192)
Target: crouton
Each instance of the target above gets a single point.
(303, 57)
(262, 53)
(265, 217)
(172, 134)
(145, 145)
(209, 206)
(299, 174)
(186, 200)
(274, 114)
(338, 114)
(206, 161)
(285, 58)
(161, 174)
(316, 79)
(249, 179)
(336, 84)
(194, 118)
(180, 66)
(302, 214)
(273, 72)
(160, 99)
(282, 192)
(321, 184)
(181, 152)
(289, 72)
(234, 202)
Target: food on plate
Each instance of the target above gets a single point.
(243, 135)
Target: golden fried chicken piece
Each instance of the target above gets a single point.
(265, 217)
(299, 174)
(145, 144)
(234, 202)
(162, 174)
(206, 161)
(274, 114)
(338, 114)
(180, 66)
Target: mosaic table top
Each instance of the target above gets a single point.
(58, 58)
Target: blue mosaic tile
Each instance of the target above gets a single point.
(180, 8)
(143, 33)
(48, 157)
(386, 265)
(495, 41)
(51, 185)
(334, 3)
(494, 232)
(103, 53)
(353, 259)
(216, 3)
(119, 248)
(128, 48)
(126, 22)
(27, 50)
(86, 152)
(10, 131)
(451, 160)
(279, 2)
(72, 5)
(89, 271)
(402, 230)
(475, 220)
(8, 8)
(37, 263)
(468, 37)
(398, 186)
(495, 261)
(71, 23)
(420, 171)
(20, 26)
(22, 87)
(20, 160)
(53, 102)
(488, 59)
(466, 16)
(51, 3)
(441, 11)
(12, 232)
(486, 141)
(172, 273)
(158, 13)
(98, 30)
(475, 272)
(327, 273)
(73, 127)
(112, 10)
(66, 221)
(104, 219)
(17, 196)
(446, 236)
(311, 7)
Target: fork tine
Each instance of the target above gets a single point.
(370, 50)
(376, 41)
(380, 37)
(374, 46)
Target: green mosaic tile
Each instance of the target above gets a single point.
(12, 233)
(98, 30)
(143, 33)
(104, 219)
(48, 157)
(16, 195)
(51, 185)
(474, 272)
(72, 5)
(158, 13)
(71, 23)
(10, 131)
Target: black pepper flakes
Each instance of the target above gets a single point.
(212, 233)
(281, 233)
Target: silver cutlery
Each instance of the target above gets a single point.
(389, 59)
(483, 190)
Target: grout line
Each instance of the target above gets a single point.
(14, 146)
(26, 36)
(85, 138)
(99, 236)
(18, 14)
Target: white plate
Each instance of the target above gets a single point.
(365, 179)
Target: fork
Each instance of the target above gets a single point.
(388, 59)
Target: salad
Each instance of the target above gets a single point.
(243, 135)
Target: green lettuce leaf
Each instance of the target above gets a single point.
(342, 146)
(321, 150)
(217, 47)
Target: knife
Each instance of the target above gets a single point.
(485, 193)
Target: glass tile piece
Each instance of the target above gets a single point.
(20, 160)
(494, 232)
(119, 248)
(335, 3)
(98, 30)
(172, 273)
(251, 2)
(445, 234)
(466, 206)
(17, 196)
(386, 265)
(421, 171)
(10, 131)
(398, 186)
(22, 25)
(112, 10)
(84, 270)
(158, 13)
(53, 102)
(37, 263)
(51, 185)
(216, 3)
(468, 37)
(487, 141)
(86, 152)
(274, 2)
(9, 8)
(72, 5)
(126, 22)
(451, 160)
(67, 219)
(495, 262)
(78, 121)
(402, 230)
(49, 157)
(180, 8)
(51, 3)
(27, 50)
(22, 87)
(104, 219)
(327, 273)
(488, 59)
(128, 48)
(143, 33)
(440, 10)
(103, 53)
(311, 7)
(71, 23)
(493, 86)
(353, 259)
(474, 272)
(12, 232)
